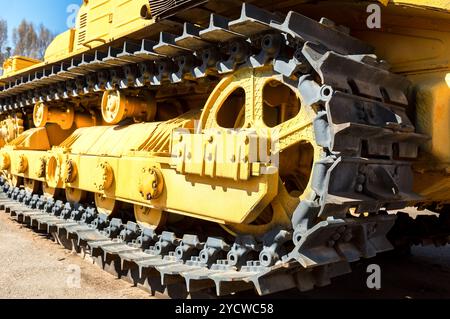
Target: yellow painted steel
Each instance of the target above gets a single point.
(101, 21)
(443, 5)
(10, 128)
(117, 106)
(141, 163)
(65, 119)
(61, 46)
(17, 63)
(181, 167)
(432, 172)
(98, 22)
(117, 162)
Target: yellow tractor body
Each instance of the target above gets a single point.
(298, 124)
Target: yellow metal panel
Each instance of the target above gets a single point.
(190, 195)
(33, 159)
(60, 46)
(120, 148)
(433, 185)
(400, 46)
(17, 63)
(219, 153)
(210, 197)
(432, 172)
(93, 23)
(32, 139)
(432, 96)
(102, 21)
(83, 139)
(115, 140)
(126, 16)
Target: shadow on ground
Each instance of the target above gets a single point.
(425, 273)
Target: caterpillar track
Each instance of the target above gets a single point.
(162, 262)
(159, 262)
(364, 140)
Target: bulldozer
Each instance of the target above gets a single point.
(218, 146)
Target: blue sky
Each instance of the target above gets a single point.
(52, 13)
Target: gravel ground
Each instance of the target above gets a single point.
(35, 267)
